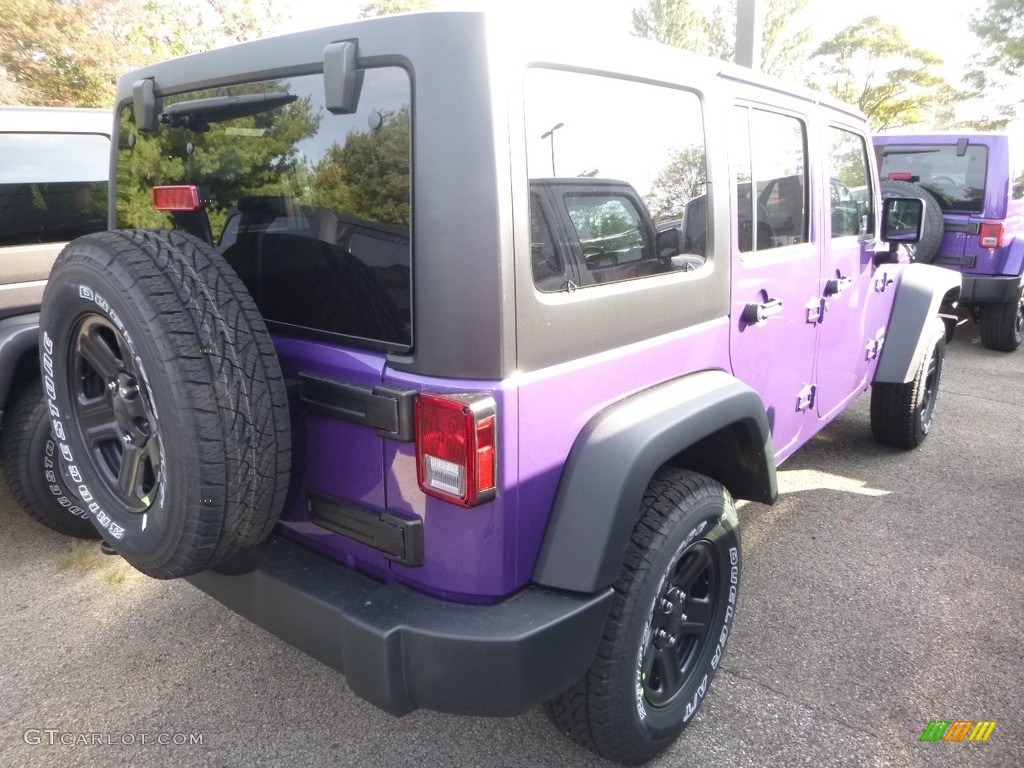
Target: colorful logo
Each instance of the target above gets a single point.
(958, 730)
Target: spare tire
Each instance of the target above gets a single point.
(933, 227)
(166, 399)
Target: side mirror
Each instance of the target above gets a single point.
(669, 242)
(902, 218)
(343, 80)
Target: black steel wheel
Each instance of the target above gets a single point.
(166, 399)
(669, 622)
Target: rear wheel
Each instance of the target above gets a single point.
(902, 415)
(668, 625)
(34, 470)
(1002, 325)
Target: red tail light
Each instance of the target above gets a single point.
(180, 198)
(901, 176)
(990, 234)
(456, 448)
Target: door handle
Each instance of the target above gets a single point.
(837, 285)
(758, 313)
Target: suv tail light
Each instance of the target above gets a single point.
(178, 198)
(456, 447)
(990, 234)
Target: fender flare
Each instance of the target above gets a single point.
(921, 290)
(617, 453)
(18, 335)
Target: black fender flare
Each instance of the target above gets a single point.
(616, 455)
(19, 335)
(919, 295)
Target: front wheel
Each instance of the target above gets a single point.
(902, 415)
(674, 603)
(1002, 325)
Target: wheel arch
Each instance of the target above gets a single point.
(709, 422)
(921, 291)
(19, 344)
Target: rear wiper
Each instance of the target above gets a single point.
(196, 115)
(887, 152)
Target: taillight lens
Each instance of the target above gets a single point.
(990, 234)
(456, 447)
(177, 198)
(901, 176)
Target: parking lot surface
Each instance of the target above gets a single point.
(884, 590)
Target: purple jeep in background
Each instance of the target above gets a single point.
(443, 359)
(974, 219)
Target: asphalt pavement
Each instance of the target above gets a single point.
(883, 591)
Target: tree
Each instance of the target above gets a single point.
(686, 24)
(389, 7)
(71, 52)
(872, 65)
(681, 180)
(368, 177)
(1000, 26)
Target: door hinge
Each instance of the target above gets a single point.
(816, 311)
(805, 398)
(883, 282)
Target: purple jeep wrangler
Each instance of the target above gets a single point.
(974, 219)
(388, 352)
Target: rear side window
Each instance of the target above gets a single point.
(769, 159)
(957, 180)
(617, 178)
(849, 194)
(53, 186)
(312, 209)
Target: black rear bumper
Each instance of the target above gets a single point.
(400, 649)
(990, 289)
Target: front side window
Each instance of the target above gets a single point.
(849, 192)
(769, 161)
(312, 209)
(621, 168)
(53, 186)
(955, 178)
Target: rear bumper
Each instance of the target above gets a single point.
(400, 649)
(990, 289)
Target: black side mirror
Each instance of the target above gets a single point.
(902, 218)
(669, 242)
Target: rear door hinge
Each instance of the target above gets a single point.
(816, 311)
(805, 397)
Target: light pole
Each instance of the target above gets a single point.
(551, 135)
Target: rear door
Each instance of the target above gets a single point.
(849, 283)
(775, 269)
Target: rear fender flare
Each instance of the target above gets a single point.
(619, 450)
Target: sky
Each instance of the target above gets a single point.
(931, 24)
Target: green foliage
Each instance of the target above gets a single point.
(686, 24)
(389, 7)
(369, 176)
(1001, 28)
(872, 65)
(71, 52)
(255, 155)
(681, 180)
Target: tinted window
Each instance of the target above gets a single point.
(311, 209)
(53, 187)
(956, 180)
(848, 183)
(769, 161)
(642, 147)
